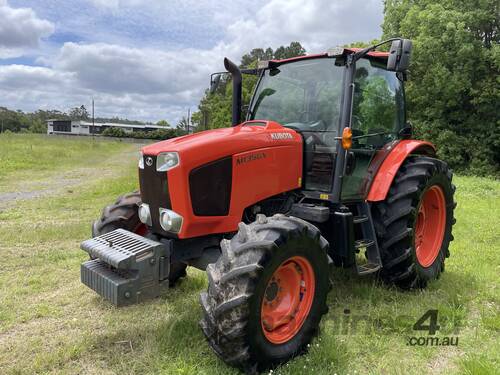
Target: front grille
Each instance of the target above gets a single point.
(210, 188)
(154, 192)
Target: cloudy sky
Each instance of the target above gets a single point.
(151, 59)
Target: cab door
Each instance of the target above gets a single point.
(378, 114)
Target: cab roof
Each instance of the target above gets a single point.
(374, 54)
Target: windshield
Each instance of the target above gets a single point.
(303, 95)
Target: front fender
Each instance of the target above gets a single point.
(390, 166)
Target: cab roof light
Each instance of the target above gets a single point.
(263, 64)
(335, 52)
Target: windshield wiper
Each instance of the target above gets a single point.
(370, 135)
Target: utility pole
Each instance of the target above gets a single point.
(189, 119)
(93, 123)
(2, 125)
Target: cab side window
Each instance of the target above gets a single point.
(378, 106)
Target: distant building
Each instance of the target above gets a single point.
(86, 128)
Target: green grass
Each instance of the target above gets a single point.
(51, 323)
(35, 153)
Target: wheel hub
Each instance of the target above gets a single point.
(287, 299)
(272, 291)
(430, 226)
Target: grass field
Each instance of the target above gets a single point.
(52, 188)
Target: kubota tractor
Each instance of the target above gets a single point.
(323, 171)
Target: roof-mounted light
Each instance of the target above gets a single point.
(335, 51)
(263, 64)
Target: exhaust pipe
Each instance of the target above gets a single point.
(236, 76)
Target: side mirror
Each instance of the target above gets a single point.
(406, 132)
(214, 82)
(399, 55)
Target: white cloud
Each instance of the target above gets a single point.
(149, 82)
(318, 24)
(105, 3)
(116, 69)
(19, 77)
(20, 30)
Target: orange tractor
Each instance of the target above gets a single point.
(322, 172)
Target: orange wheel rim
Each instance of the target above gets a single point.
(430, 226)
(287, 300)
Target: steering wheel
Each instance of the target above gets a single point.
(293, 127)
(318, 126)
(310, 127)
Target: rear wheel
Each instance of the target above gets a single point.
(124, 214)
(415, 221)
(266, 293)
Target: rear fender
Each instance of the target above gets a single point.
(390, 166)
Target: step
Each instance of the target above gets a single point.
(360, 219)
(368, 268)
(310, 212)
(363, 243)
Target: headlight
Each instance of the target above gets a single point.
(166, 161)
(145, 214)
(170, 221)
(141, 161)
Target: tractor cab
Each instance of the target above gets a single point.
(305, 94)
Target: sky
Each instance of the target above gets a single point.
(150, 59)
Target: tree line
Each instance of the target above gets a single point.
(36, 122)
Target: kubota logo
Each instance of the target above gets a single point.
(149, 161)
(280, 136)
(249, 158)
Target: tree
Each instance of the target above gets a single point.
(453, 91)
(37, 126)
(163, 123)
(183, 126)
(294, 49)
(79, 113)
(376, 105)
(13, 121)
(36, 122)
(114, 132)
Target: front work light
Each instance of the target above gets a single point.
(166, 161)
(170, 221)
(145, 214)
(141, 161)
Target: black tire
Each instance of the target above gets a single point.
(395, 222)
(237, 283)
(124, 214)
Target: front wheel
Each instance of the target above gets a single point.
(266, 293)
(415, 221)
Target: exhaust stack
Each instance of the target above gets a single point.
(236, 76)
